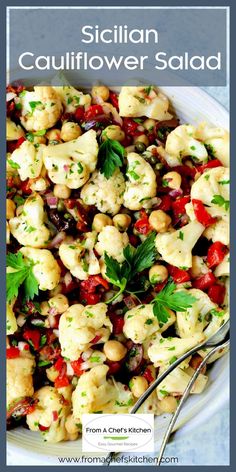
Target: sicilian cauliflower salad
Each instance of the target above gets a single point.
(118, 252)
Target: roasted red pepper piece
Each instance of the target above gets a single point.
(117, 323)
(92, 112)
(25, 187)
(93, 282)
(202, 214)
(13, 352)
(210, 165)
(142, 224)
(179, 275)
(33, 335)
(178, 206)
(79, 113)
(217, 294)
(89, 298)
(113, 97)
(216, 254)
(148, 375)
(76, 366)
(205, 281)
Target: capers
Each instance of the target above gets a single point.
(140, 147)
(61, 206)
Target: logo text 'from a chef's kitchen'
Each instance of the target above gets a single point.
(146, 44)
(118, 432)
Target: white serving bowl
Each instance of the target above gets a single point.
(192, 105)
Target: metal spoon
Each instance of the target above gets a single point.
(185, 396)
(213, 341)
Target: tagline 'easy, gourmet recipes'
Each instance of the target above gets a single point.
(118, 252)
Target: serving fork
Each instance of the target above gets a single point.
(215, 342)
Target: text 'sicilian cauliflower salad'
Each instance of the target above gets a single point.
(118, 252)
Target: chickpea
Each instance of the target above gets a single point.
(59, 302)
(100, 221)
(40, 140)
(10, 210)
(141, 139)
(61, 191)
(100, 91)
(149, 124)
(158, 274)
(121, 221)
(44, 308)
(53, 135)
(113, 132)
(138, 385)
(70, 130)
(168, 404)
(159, 220)
(114, 350)
(52, 374)
(173, 180)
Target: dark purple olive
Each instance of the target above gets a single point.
(63, 222)
(134, 357)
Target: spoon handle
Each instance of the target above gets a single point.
(184, 397)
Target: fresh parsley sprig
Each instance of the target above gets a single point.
(110, 156)
(136, 260)
(168, 298)
(220, 201)
(20, 273)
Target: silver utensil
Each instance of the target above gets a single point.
(185, 396)
(213, 341)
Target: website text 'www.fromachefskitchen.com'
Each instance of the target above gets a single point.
(119, 460)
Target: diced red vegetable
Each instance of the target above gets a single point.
(55, 416)
(130, 127)
(114, 367)
(195, 363)
(13, 352)
(186, 171)
(210, 165)
(43, 428)
(93, 282)
(96, 339)
(204, 282)
(179, 275)
(217, 294)
(142, 224)
(216, 254)
(117, 323)
(59, 364)
(33, 335)
(79, 113)
(22, 407)
(148, 375)
(61, 381)
(92, 112)
(113, 97)
(25, 187)
(202, 214)
(76, 366)
(90, 298)
(166, 203)
(130, 301)
(178, 206)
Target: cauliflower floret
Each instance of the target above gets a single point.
(140, 323)
(223, 268)
(11, 319)
(141, 184)
(41, 109)
(193, 319)
(94, 393)
(28, 159)
(182, 142)
(50, 412)
(143, 101)
(72, 162)
(46, 269)
(176, 247)
(217, 139)
(29, 228)
(216, 322)
(79, 325)
(13, 131)
(163, 350)
(72, 98)
(220, 231)
(111, 241)
(20, 377)
(176, 382)
(78, 256)
(212, 188)
(105, 194)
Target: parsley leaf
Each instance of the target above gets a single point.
(19, 273)
(169, 299)
(110, 156)
(34, 105)
(136, 260)
(13, 164)
(219, 200)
